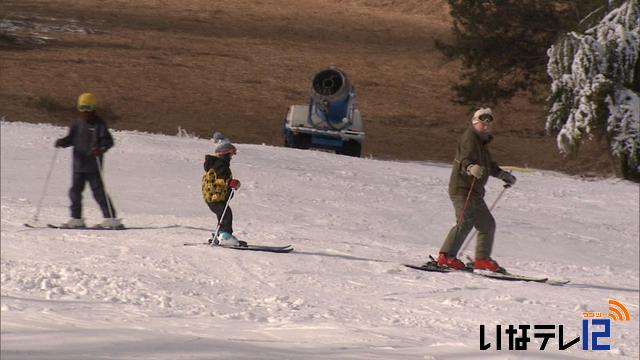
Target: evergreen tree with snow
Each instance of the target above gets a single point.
(595, 82)
(502, 44)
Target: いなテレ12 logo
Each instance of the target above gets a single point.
(599, 325)
(596, 329)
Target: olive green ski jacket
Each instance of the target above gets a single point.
(472, 149)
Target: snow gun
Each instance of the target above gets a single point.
(330, 120)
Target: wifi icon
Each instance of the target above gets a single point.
(618, 311)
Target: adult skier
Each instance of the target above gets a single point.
(216, 184)
(472, 167)
(90, 138)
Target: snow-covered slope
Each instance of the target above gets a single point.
(343, 293)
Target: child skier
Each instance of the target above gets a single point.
(216, 184)
(90, 139)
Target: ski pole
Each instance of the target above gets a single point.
(467, 240)
(46, 184)
(466, 202)
(104, 187)
(215, 234)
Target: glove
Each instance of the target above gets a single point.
(58, 143)
(507, 177)
(96, 151)
(475, 170)
(234, 184)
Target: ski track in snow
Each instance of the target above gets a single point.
(342, 294)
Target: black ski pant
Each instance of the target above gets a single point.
(97, 187)
(226, 222)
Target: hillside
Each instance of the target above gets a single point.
(236, 67)
(342, 294)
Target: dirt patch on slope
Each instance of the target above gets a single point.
(236, 67)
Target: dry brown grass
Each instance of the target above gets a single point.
(236, 66)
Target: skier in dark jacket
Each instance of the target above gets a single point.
(216, 184)
(471, 170)
(90, 139)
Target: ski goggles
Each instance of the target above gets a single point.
(484, 118)
(86, 108)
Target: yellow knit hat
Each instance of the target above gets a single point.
(87, 102)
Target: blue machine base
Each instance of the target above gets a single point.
(327, 142)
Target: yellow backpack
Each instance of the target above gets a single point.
(214, 189)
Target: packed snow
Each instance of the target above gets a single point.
(342, 294)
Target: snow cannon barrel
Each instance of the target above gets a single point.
(330, 120)
(331, 90)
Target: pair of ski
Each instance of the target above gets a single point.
(246, 247)
(98, 227)
(432, 266)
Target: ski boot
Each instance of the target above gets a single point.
(488, 264)
(74, 223)
(111, 223)
(450, 262)
(226, 239)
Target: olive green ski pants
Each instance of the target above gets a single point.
(476, 215)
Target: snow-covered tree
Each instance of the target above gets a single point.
(594, 86)
(502, 45)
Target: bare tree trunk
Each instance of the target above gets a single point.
(623, 169)
(621, 165)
